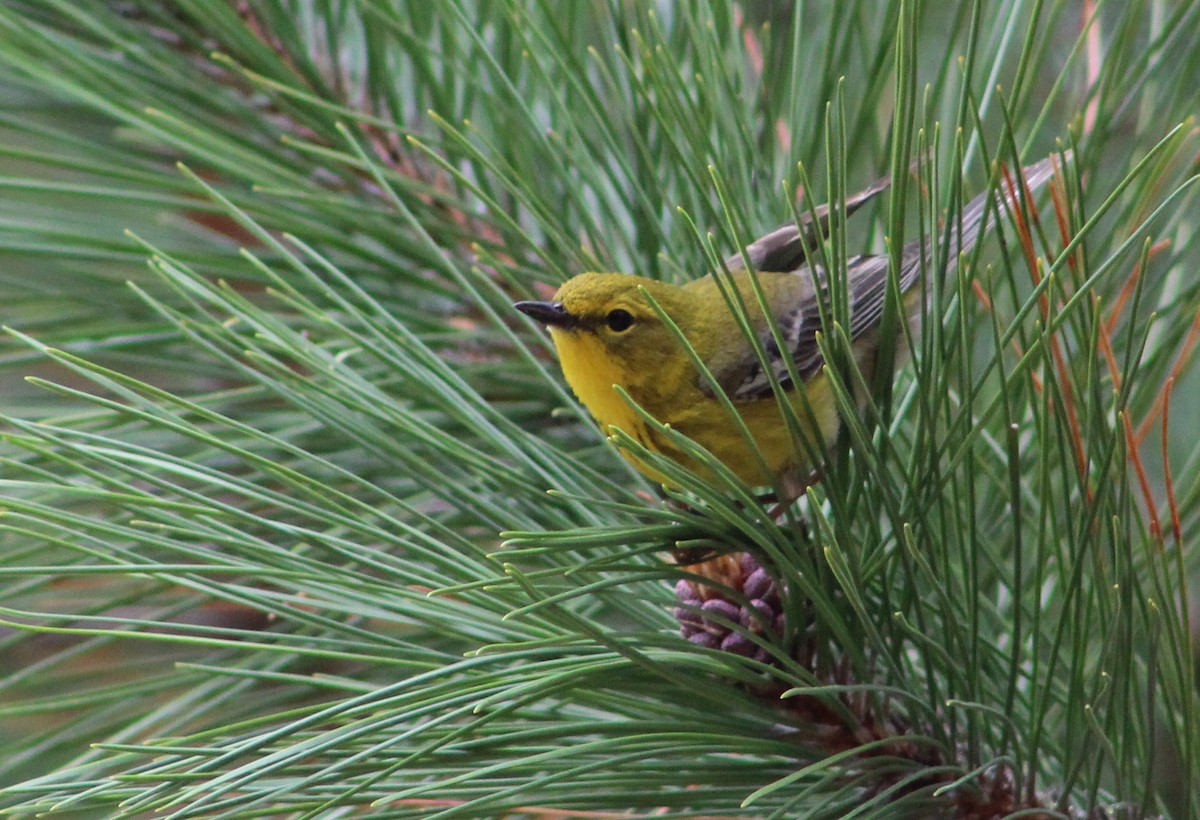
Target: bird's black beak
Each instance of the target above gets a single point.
(549, 313)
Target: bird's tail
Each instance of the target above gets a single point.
(973, 221)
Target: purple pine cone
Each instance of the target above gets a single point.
(705, 613)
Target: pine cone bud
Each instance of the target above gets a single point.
(705, 612)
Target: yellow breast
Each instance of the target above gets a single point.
(591, 373)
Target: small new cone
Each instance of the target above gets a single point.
(705, 611)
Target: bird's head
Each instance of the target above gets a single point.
(607, 332)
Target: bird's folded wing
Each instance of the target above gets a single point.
(744, 379)
(786, 250)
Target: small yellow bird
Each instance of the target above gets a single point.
(608, 334)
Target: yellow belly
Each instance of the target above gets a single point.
(778, 453)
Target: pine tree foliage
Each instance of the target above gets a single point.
(300, 520)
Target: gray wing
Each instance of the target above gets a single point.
(867, 286)
(786, 251)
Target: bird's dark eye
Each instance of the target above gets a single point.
(619, 320)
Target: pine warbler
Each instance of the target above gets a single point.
(608, 334)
